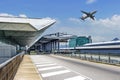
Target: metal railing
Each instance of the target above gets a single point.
(9, 68)
(102, 58)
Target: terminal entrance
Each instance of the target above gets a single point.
(53, 43)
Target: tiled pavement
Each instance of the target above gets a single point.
(27, 70)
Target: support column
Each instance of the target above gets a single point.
(58, 45)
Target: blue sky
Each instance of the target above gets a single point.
(67, 13)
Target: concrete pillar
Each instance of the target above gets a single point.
(51, 46)
(58, 45)
(55, 45)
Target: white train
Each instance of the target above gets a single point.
(101, 47)
(109, 47)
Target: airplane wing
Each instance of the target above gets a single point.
(84, 12)
(93, 12)
(92, 17)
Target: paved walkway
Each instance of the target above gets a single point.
(27, 70)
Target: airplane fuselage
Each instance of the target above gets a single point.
(90, 15)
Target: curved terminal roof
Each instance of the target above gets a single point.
(24, 31)
(99, 43)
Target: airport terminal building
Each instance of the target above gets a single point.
(18, 34)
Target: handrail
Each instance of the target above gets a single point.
(94, 57)
(6, 62)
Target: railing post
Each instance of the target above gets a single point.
(109, 60)
(99, 56)
(85, 56)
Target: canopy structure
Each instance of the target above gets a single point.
(62, 37)
(24, 31)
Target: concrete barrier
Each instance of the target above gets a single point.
(8, 69)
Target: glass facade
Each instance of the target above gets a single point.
(79, 41)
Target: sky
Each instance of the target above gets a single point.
(106, 26)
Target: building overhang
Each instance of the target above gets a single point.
(62, 37)
(24, 31)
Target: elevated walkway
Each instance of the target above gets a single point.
(27, 70)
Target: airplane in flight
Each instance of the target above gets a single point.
(88, 14)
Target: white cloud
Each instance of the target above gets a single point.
(112, 22)
(100, 29)
(6, 14)
(90, 1)
(10, 15)
(22, 15)
(57, 21)
(74, 20)
(79, 21)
